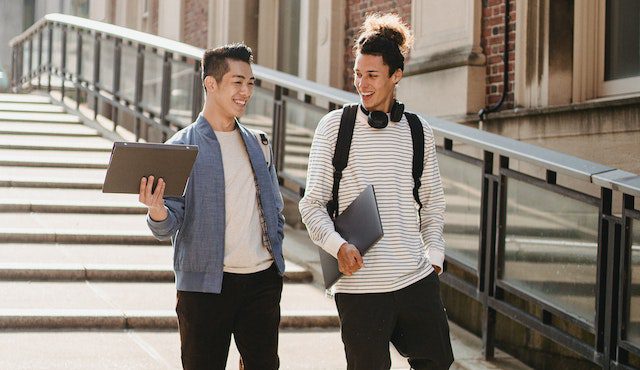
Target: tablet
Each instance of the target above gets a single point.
(131, 161)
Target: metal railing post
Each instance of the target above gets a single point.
(30, 64)
(78, 68)
(14, 67)
(63, 64)
(165, 100)
(96, 74)
(197, 91)
(278, 129)
(138, 90)
(607, 283)
(487, 255)
(117, 72)
(39, 70)
(50, 57)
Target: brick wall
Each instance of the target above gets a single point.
(195, 27)
(356, 13)
(492, 43)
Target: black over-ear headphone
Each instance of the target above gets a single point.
(379, 119)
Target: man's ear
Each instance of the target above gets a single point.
(210, 83)
(397, 76)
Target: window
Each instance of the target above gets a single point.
(621, 54)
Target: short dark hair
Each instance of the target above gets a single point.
(385, 35)
(214, 61)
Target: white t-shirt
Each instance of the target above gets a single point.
(243, 249)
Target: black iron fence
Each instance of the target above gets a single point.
(548, 240)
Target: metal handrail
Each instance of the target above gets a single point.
(550, 159)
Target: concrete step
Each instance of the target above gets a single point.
(51, 200)
(29, 107)
(317, 349)
(76, 178)
(24, 98)
(54, 158)
(38, 117)
(33, 319)
(104, 272)
(86, 254)
(50, 129)
(302, 349)
(45, 142)
(119, 305)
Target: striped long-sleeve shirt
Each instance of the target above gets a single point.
(383, 158)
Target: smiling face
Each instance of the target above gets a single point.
(373, 83)
(229, 97)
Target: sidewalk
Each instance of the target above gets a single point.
(467, 348)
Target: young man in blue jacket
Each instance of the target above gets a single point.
(227, 228)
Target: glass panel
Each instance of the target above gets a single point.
(72, 52)
(88, 43)
(303, 115)
(107, 51)
(634, 312)
(128, 72)
(259, 112)
(152, 83)
(462, 184)
(181, 91)
(551, 248)
(622, 45)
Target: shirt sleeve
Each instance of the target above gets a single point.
(313, 206)
(433, 203)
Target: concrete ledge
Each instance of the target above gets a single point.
(27, 163)
(24, 98)
(39, 237)
(49, 184)
(313, 319)
(70, 208)
(116, 319)
(129, 273)
(62, 319)
(87, 148)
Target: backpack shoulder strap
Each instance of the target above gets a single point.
(341, 153)
(264, 145)
(417, 138)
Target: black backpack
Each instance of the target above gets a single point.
(343, 146)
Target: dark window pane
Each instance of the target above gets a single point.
(622, 43)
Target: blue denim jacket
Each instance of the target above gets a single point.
(196, 221)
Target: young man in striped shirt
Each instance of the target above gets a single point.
(392, 293)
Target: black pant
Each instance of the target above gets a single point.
(412, 318)
(247, 307)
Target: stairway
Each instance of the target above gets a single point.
(83, 283)
(81, 266)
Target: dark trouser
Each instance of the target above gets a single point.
(248, 307)
(412, 318)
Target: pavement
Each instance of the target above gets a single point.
(86, 286)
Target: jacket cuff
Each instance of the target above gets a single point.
(159, 227)
(333, 244)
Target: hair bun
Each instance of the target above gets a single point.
(391, 27)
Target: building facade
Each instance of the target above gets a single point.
(572, 74)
